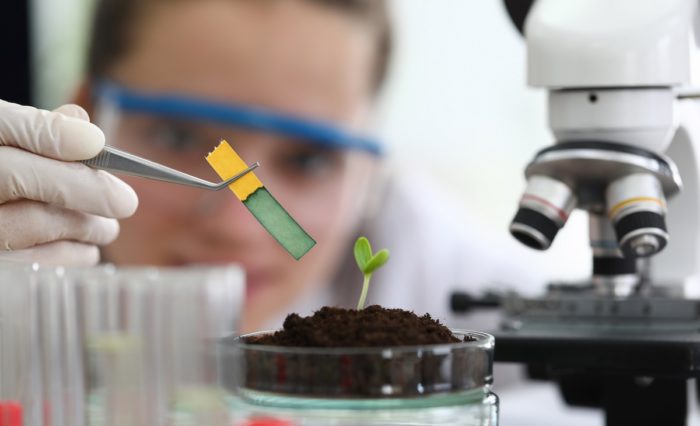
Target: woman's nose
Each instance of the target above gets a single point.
(210, 203)
(222, 213)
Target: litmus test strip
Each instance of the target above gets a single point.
(258, 200)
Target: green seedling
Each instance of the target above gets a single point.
(368, 264)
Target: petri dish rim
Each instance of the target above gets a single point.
(484, 341)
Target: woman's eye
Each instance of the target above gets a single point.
(310, 162)
(174, 137)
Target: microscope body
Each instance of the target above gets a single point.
(612, 70)
(678, 266)
(627, 152)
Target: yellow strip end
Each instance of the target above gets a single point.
(226, 162)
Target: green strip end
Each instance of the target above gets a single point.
(275, 219)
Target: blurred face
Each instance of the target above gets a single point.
(289, 56)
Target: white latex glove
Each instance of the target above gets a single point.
(52, 209)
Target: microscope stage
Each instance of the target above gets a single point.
(643, 336)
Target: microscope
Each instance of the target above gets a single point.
(626, 152)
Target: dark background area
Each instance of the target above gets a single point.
(15, 48)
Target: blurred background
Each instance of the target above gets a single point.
(456, 106)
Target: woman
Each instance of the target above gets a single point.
(168, 79)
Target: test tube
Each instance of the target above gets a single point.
(13, 349)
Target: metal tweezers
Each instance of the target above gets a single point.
(112, 159)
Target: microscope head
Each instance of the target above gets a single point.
(612, 112)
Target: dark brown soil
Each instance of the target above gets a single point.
(369, 327)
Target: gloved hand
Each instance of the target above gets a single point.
(52, 209)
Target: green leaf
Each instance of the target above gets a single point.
(376, 261)
(363, 252)
(367, 264)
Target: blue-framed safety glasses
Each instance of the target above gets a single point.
(122, 101)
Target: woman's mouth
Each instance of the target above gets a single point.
(256, 277)
(255, 282)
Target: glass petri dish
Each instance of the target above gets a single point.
(442, 384)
